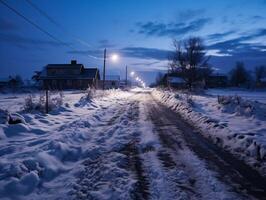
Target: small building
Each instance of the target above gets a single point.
(176, 82)
(9, 82)
(111, 82)
(69, 76)
(4, 82)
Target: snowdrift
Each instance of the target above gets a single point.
(223, 120)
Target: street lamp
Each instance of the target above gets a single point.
(114, 58)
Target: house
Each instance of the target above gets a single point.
(217, 80)
(112, 82)
(9, 82)
(69, 76)
(4, 82)
(174, 80)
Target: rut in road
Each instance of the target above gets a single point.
(96, 175)
(175, 134)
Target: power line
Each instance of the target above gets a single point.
(34, 24)
(40, 28)
(43, 13)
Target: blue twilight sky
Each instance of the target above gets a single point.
(140, 31)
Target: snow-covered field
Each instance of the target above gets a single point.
(108, 147)
(238, 126)
(42, 158)
(259, 95)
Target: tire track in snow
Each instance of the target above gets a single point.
(121, 161)
(192, 179)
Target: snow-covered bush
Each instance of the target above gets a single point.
(238, 106)
(224, 100)
(29, 104)
(55, 100)
(90, 92)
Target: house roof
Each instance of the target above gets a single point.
(90, 72)
(56, 66)
(86, 73)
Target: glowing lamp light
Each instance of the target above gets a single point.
(114, 57)
(132, 73)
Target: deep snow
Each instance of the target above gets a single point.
(239, 127)
(100, 148)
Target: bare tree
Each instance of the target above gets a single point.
(190, 60)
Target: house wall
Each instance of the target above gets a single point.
(109, 84)
(63, 71)
(61, 84)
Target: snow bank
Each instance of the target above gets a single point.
(41, 157)
(233, 123)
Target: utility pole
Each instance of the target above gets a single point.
(46, 102)
(126, 75)
(104, 60)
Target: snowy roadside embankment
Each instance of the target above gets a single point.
(42, 157)
(233, 123)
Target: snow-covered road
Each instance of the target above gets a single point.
(123, 146)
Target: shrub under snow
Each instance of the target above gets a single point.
(241, 107)
(55, 100)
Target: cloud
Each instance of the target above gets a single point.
(24, 42)
(259, 33)
(146, 63)
(131, 52)
(239, 42)
(7, 25)
(146, 53)
(106, 44)
(171, 29)
(190, 14)
(238, 48)
(96, 54)
(218, 36)
(257, 17)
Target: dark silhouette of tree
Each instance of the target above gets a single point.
(239, 75)
(19, 81)
(36, 77)
(190, 60)
(260, 72)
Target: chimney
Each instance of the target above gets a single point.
(73, 62)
